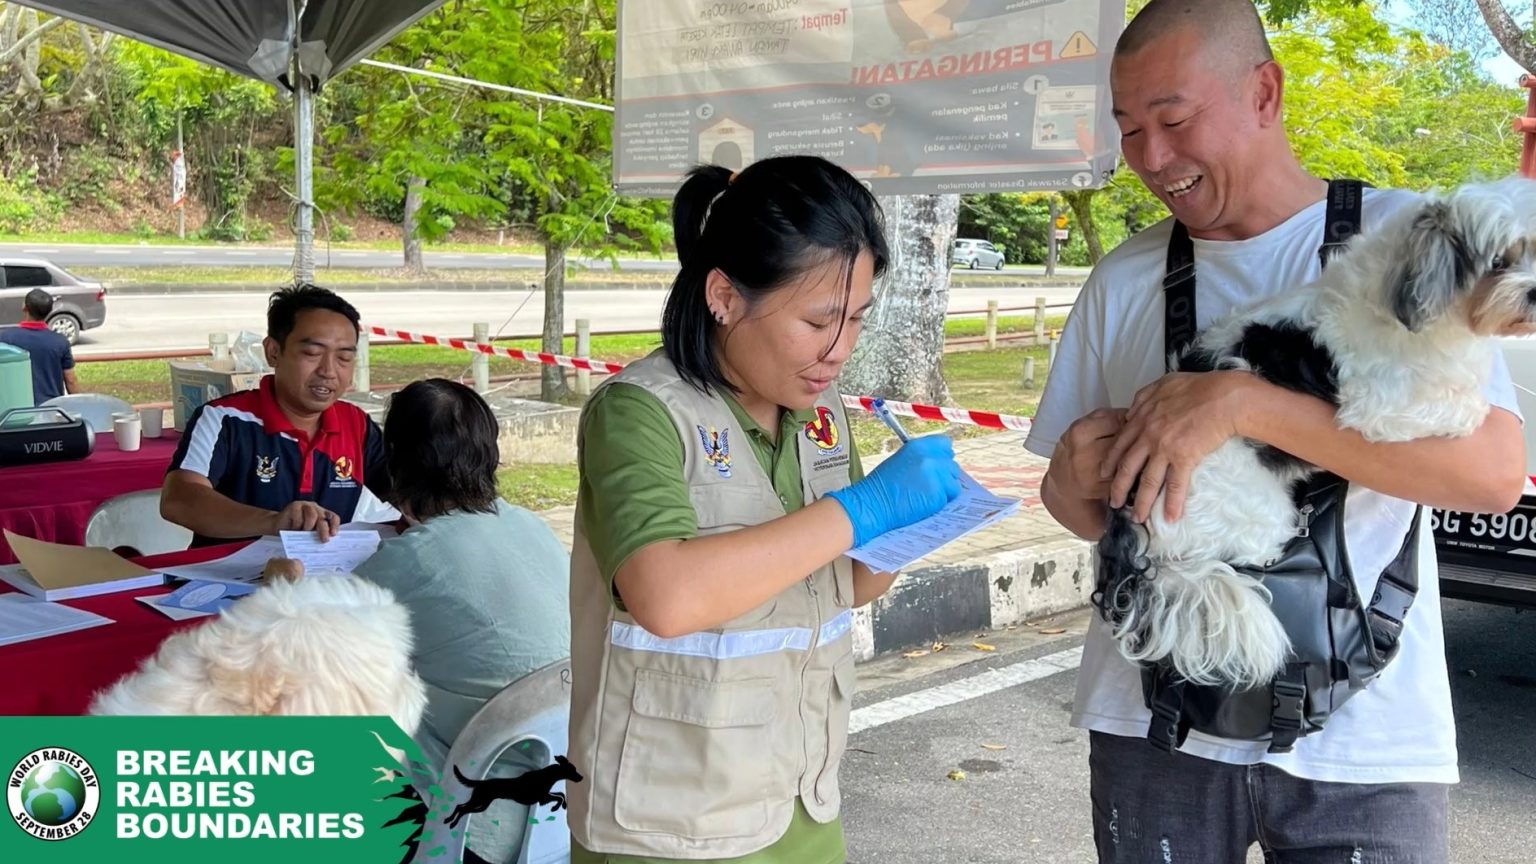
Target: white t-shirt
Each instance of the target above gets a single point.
(1400, 729)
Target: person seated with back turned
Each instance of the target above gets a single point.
(486, 583)
(53, 363)
(288, 455)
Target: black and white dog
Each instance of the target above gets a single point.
(1395, 334)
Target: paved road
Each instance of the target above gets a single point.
(1028, 802)
(152, 323)
(74, 255)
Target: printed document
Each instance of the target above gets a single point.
(972, 510)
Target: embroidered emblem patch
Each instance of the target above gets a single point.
(343, 469)
(717, 449)
(266, 468)
(823, 430)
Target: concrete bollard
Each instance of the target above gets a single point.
(361, 383)
(1029, 373)
(218, 345)
(991, 324)
(584, 351)
(1039, 320)
(481, 364)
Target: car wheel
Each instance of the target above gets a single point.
(974, 263)
(65, 325)
(999, 264)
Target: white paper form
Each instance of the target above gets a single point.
(243, 566)
(23, 618)
(340, 554)
(973, 509)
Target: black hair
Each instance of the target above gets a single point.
(286, 304)
(38, 304)
(762, 228)
(440, 448)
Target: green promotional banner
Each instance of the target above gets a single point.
(221, 789)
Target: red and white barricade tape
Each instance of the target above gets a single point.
(529, 356)
(986, 419)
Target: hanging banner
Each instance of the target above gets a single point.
(913, 96)
(178, 179)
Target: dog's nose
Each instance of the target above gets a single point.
(1530, 296)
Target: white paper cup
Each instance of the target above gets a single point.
(127, 432)
(153, 420)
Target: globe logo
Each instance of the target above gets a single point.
(52, 793)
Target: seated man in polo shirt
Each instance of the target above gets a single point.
(289, 455)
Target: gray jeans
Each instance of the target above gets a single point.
(1151, 807)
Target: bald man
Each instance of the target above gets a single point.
(1198, 98)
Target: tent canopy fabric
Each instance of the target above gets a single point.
(253, 38)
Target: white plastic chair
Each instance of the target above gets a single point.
(532, 715)
(95, 408)
(134, 520)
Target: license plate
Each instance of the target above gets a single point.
(1503, 540)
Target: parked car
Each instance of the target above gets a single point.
(78, 303)
(977, 253)
(1493, 558)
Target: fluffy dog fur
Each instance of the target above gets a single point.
(316, 646)
(1395, 335)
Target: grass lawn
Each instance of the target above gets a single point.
(517, 279)
(107, 238)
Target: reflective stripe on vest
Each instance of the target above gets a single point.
(726, 646)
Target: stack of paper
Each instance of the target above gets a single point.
(974, 509)
(53, 571)
(25, 618)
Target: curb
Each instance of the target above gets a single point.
(930, 604)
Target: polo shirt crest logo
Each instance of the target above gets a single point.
(266, 468)
(343, 469)
(717, 449)
(823, 431)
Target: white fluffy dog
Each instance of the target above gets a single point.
(1395, 334)
(327, 645)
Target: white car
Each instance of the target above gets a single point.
(976, 254)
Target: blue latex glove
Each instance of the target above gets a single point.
(913, 484)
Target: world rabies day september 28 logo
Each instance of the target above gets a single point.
(211, 788)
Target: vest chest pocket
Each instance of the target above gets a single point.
(729, 506)
(697, 759)
(842, 568)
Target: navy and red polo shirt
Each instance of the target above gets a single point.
(247, 448)
(51, 357)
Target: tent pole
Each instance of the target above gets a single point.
(303, 158)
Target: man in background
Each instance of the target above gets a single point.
(53, 364)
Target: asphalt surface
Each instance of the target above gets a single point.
(1028, 800)
(138, 322)
(79, 255)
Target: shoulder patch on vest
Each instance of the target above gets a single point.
(717, 448)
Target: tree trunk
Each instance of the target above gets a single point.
(410, 236)
(1508, 34)
(1081, 202)
(552, 387)
(901, 354)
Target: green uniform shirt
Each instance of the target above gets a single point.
(632, 495)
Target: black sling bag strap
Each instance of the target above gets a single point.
(1320, 549)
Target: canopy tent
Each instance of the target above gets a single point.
(295, 44)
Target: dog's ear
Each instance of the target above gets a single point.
(562, 760)
(1435, 266)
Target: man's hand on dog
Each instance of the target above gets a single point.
(1172, 424)
(308, 516)
(1082, 450)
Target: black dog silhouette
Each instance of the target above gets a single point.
(530, 789)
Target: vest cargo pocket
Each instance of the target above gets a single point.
(697, 760)
(839, 708)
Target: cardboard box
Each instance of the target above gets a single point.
(194, 383)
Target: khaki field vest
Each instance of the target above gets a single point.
(696, 747)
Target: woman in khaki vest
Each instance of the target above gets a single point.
(720, 488)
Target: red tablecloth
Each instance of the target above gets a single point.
(60, 674)
(53, 501)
